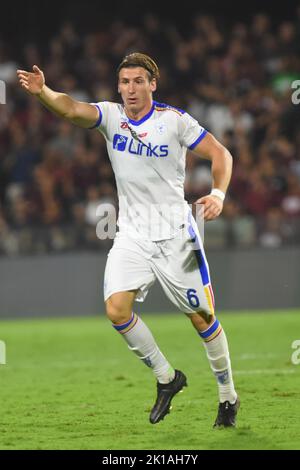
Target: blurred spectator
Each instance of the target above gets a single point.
(235, 79)
(291, 201)
(240, 227)
(272, 234)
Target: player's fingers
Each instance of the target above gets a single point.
(207, 209)
(209, 216)
(23, 77)
(212, 214)
(211, 209)
(23, 72)
(215, 209)
(24, 85)
(36, 69)
(202, 200)
(24, 82)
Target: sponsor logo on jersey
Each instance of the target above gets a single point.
(124, 125)
(123, 143)
(120, 142)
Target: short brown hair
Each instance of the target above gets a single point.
(137, 59)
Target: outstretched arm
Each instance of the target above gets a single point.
(221, 168)
(77, 112)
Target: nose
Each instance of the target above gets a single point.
(131, 88)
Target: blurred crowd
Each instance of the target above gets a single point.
(235, 80)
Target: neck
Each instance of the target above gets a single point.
(136, 115)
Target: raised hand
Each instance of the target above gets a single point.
(32, 82)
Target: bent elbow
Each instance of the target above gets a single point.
(70, 114)
(228, 157)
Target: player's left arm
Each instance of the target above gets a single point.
(221, 167)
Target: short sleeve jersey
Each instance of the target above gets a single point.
(148, 159)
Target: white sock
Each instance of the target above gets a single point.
(215, 343)
(140, 340)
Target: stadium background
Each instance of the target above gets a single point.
(231, 66)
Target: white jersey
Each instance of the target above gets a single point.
(148, 160)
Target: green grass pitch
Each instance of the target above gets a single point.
(73, 384)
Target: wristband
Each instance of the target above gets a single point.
(218, 193)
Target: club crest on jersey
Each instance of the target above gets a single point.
(160, 127)
(124, 125)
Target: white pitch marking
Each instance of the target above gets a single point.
(249, 356)
(263, 371)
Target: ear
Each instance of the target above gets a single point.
(153, 85)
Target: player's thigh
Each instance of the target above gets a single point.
(127, 269)
(185, 278)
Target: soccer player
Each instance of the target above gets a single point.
(157, 235)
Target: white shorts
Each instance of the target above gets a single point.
(179, 264)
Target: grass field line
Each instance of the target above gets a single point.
(264, 371)
(87, 364)
(250, 356)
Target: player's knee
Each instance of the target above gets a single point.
(206, 318)
(202, 320)
(116, 312)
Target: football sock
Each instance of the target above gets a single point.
(140, 340)
(215, 343)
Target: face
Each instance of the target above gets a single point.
(135, 88)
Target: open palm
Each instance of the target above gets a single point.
(32, 82)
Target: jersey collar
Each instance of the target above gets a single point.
(143, 119)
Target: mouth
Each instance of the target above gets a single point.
(132, 100)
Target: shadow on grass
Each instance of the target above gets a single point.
(241, 438)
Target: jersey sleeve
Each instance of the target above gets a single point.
(103, 116)
(190, 131)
